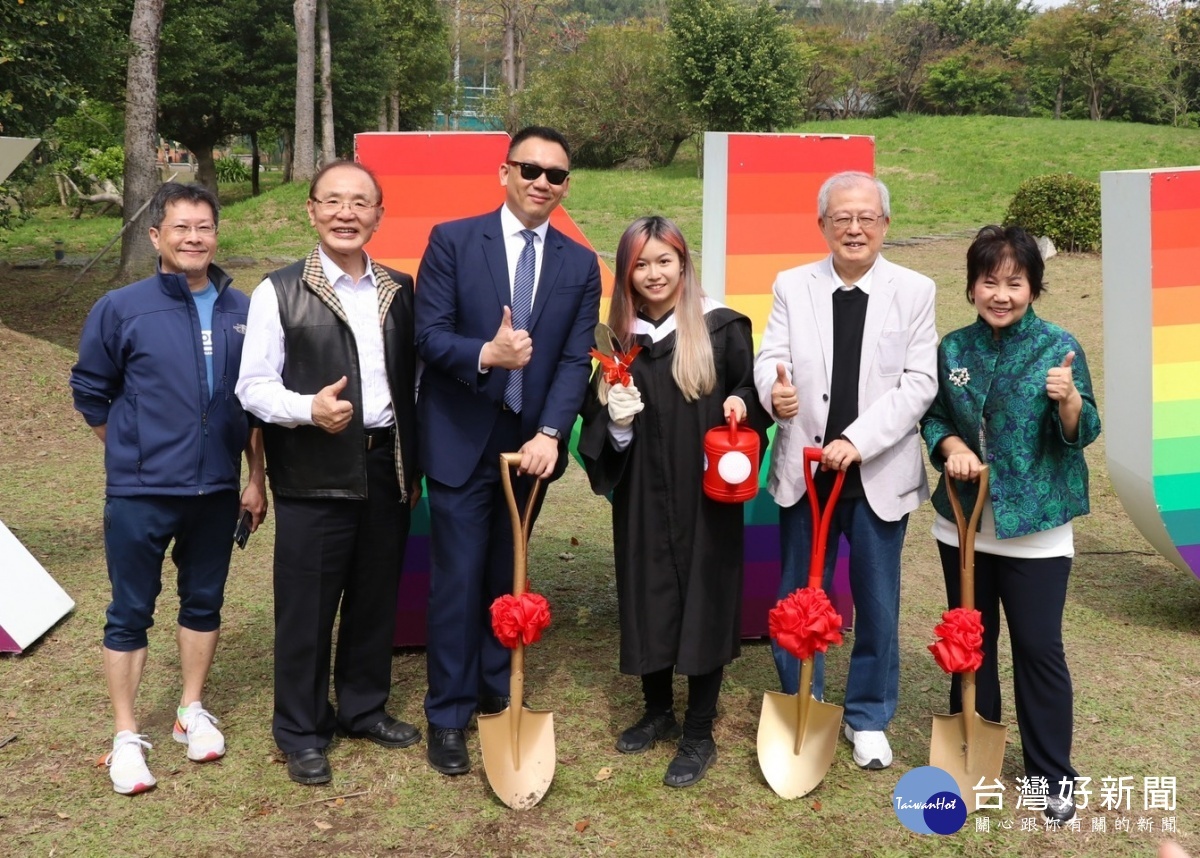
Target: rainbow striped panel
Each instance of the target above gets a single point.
(760, 218)
(1152, 353)
(428, 178)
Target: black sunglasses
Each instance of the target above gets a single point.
(530, 172)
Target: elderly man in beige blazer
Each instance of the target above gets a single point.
(848, 364)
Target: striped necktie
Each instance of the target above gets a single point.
(522, 306)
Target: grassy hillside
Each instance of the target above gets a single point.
(947, 174)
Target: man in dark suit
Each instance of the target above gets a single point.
(505, 315)
(329, 366)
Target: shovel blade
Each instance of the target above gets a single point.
(982, 757)
(792, 774)
(519, 776)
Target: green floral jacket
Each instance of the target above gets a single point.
(1037, 478)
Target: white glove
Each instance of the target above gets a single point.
(624, 402)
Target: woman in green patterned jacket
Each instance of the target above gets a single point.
(1014, 393)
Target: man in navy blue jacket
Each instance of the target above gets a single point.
(506, 308)
(158, 361)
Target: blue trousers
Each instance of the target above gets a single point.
(137, 531)
(873, 683)
(471, 564)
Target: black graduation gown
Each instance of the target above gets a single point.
(678, 554)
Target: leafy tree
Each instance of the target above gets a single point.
(1111, 55)
(609, 98)
(418, 48)
(972, 79)
(736, 65)
(48, 62)
(997, 23)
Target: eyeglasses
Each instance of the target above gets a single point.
(866, 221)
(530, 172)
(204, 230)
(333, 206)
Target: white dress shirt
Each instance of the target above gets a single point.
(514, 243)
(260, 384)
(863, 283)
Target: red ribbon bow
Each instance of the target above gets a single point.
(520, 619)
(960, 648)
(616, 365)
(805, 623)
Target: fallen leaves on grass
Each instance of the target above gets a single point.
(604, 773)
(582, 825)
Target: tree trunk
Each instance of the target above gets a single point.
(303, 157)
(328, 147)
(255, 164)
(510, 48)
(394, 103)
(141, 137)
(1058, 98)
(206, 168)
(286, 156)
(383, 113)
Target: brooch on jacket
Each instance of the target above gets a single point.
(959, 376)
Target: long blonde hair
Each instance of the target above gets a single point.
(692, 365)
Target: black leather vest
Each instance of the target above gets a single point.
(319, 348)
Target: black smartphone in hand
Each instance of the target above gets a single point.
(242, 533)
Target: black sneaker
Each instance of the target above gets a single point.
(648, 730)
(691, 762)
(1059, 810)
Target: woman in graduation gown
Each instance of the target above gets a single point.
(678, 554)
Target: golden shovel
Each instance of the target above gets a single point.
(518, 743)
(798, 734)
(967, 745)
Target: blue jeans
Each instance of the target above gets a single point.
(873, 684)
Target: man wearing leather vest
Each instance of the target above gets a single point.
(329, 367)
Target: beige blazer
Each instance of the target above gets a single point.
(897, 381)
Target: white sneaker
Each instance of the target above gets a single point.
(127, 764)
(196, 728)
(871, 748)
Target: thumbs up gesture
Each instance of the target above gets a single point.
(783, 395)
(1060, 385)
(330, 413)
(510, 348)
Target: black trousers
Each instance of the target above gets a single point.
(703, 691)
(331, 553)
(1033, 593)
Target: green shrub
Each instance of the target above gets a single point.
(1061, 206)
(231, 169)
(104, 164)
(610, 100)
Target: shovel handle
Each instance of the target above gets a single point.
(520, 524)
(821, 520)
(966, 535)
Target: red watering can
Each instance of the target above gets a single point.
(731, 463)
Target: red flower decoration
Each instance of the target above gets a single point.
(960, 648)
(520, 619)
(805, 622)
(616, 366)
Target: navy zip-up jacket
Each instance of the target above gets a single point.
(141, 372)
